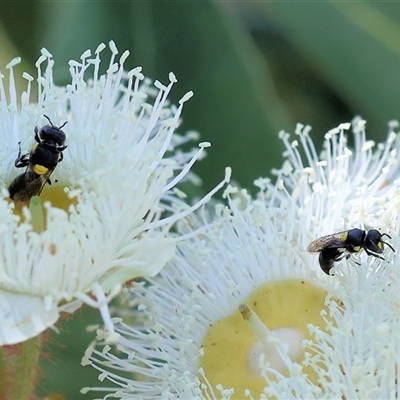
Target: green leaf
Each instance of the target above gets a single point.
(235, 106)
(62, 372)
(353, 46)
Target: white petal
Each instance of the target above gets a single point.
(152, 254)
(23, 317)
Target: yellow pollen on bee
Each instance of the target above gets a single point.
(344, 235)
(40, 169)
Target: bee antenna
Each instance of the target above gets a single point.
(62, 126)
(389, 245)
(44, 115)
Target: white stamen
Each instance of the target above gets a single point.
(172, 77)
(344, 126)
(113, 47)
(46, 53)
(15, 61)
(100, 48)
(186, 97)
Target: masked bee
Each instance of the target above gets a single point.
(341, 245)
(39, 163)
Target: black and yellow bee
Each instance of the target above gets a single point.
(341, 245)
(40, 162)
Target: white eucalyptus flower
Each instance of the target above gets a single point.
(184, 338)
(108, 218)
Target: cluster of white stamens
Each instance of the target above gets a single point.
(119, 179)
(264, 240)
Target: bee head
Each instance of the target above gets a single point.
(51, 135)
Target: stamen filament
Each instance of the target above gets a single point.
(37, 221)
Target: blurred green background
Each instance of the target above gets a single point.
(255, 68)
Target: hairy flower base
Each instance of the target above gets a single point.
(19, 369)
(229, 342)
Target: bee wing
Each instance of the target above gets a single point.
(45, 178)
(36, 186)
(332, 240)
(27, 185)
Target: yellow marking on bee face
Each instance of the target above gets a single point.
(357, 248)
(40, 169)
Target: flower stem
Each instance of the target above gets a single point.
(25, 367)
(3, 372)
(18, 369)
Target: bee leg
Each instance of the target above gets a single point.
(348, 255)
(370, 253)
(37, 134)
(340, 256)
(21, 161)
